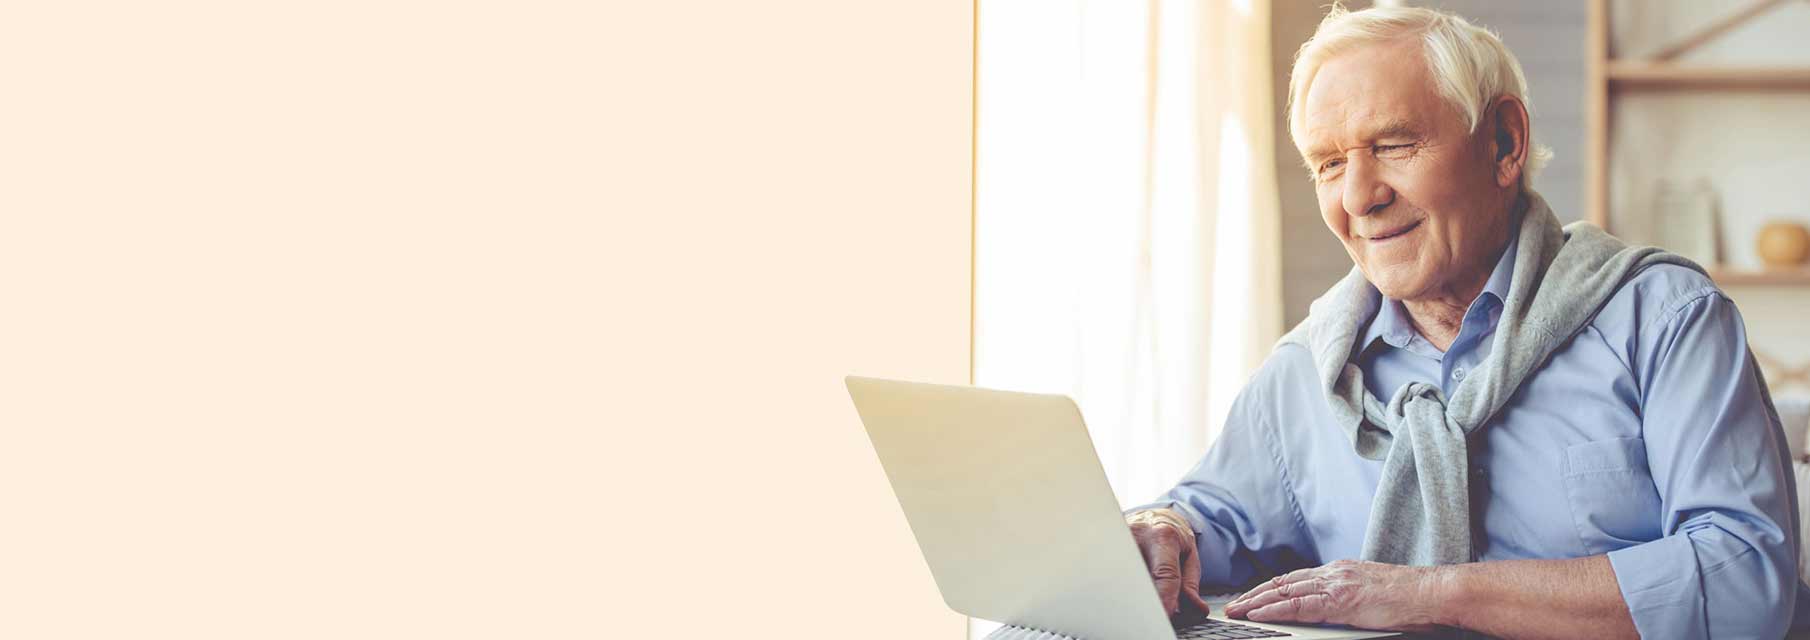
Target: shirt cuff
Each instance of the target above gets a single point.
(1660, 583)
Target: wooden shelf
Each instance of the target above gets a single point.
(1635, 74)
(1728, 277)
(1609, 78)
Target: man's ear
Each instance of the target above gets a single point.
(1509, 139)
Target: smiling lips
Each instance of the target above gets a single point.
(1395, 232)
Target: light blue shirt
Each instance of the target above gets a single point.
(1644, 438)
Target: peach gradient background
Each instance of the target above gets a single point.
(390, 319)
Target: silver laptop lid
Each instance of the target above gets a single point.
(1010, 507)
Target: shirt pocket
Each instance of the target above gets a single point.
(1611, 495)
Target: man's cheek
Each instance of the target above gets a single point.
(1335, 220)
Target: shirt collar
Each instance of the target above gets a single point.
(1391, 323)
(1505, 268)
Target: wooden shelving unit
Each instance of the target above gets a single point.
(1608, 77)
(1776, 277)
(1626, 75)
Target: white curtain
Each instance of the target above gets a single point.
(1126, 219)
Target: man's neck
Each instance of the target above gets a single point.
(1439, 317)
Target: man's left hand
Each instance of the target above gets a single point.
(1371, 595)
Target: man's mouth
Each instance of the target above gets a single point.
(1395, 232)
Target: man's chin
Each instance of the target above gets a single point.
(1399, 283)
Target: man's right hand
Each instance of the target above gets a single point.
(1169, 553)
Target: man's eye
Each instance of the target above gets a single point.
(1391, 147)
(1326, 171)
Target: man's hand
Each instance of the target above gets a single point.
(1169, 553)
(1371, 595)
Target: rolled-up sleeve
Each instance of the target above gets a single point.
(1726, 567)
(1240, 503)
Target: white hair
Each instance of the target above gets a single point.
(1469, 64)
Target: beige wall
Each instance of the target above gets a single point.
(390, 319)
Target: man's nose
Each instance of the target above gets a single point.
(1365, 193)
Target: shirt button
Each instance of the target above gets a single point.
(1458, 374)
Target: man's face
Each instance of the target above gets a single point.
(1413, 196)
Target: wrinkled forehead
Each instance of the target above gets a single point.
(1372, 92)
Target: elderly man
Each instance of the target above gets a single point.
(1491, 424)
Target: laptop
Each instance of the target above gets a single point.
(1012, 511)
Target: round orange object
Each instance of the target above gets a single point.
(1784, 244)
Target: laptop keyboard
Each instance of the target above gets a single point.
(1221, 629)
